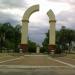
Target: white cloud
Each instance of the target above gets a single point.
(66, 18)
(12, 3)
(13, 10)
(6, 17)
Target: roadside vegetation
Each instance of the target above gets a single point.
(65, 41)
(10, 38)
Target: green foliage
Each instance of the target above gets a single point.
(31, 47)
(45, 43)
(63, 37)
(10, 36)
(66, 37)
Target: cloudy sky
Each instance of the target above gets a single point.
(12, 11)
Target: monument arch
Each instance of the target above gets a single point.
(24, 30)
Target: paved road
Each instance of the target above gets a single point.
(50, 71)
(46, 66)
(34, 60)
(67, 60)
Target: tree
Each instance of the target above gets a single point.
(45, 43)
(10, 36)
(31, 46)
(17, 38)
(66, 37)
(63, 37)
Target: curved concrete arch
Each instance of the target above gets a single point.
(24, 30)
(29, 11)
(52, 30)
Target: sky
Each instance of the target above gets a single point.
(12, 11)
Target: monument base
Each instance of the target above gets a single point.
(24, 47)
(51, 48)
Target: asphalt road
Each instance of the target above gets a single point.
(52, 66)
(50, 71)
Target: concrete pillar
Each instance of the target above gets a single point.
(52, 34)
(24, 35)
(38, 50)
(52, 21)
